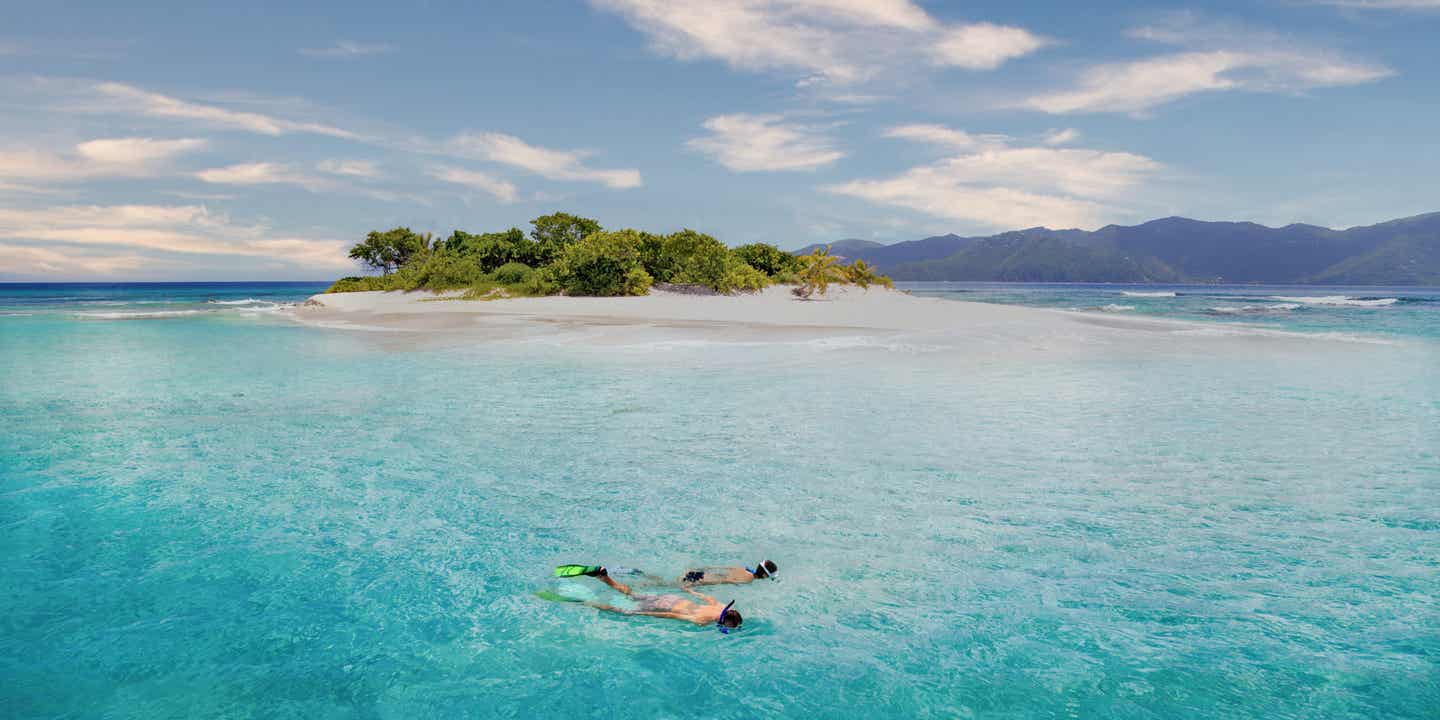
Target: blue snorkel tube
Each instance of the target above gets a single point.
(719, 622)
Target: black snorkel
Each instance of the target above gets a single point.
(720, 621)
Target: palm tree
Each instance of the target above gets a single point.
(817, 271)
(860, 273)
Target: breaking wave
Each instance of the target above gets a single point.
(143, 315)
(1158, 294)
(1255, 309)
(1337, 300)
(246, 301)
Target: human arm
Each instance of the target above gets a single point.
(709, 600)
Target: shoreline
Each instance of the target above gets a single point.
(774, 315)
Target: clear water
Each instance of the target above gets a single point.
(226, 514)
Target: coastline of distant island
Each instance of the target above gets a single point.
(1171, 250)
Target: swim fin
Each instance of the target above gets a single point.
(574, 570)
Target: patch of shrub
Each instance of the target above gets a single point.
(512, 273)
(637, 282)
(767, 258)
(360, 283)
(601, 264)
(439, 270)
(741, 277)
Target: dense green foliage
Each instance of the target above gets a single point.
(768, 259)
(576, 256)
(604, 263)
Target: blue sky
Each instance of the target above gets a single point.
(258, 140)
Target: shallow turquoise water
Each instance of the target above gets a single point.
(227, 515)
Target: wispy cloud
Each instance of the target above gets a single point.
(1060, 137)
(830, 41)
(945, 136)
(178, 229)
(32, 261)
(259, 173)
(545, 162)
(1213, 58)
(764, 143)
(998, 185)
(350, 168)
(106, 157)
(120, 98)
(349, 49)
(502, 190)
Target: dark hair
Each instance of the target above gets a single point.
(732, 618)
(770, 566)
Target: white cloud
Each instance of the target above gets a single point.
(349, 168)
(503, 190)
(984, 46)
(833, 41)
(1061, 137)
(757, 143)
(945, 136)
(1001, 186)
(258, 173)
(122, 98)
(130, 152)
(1213, 57)
(348, 49)
(107, 157)
(177, 229)
(545, 162)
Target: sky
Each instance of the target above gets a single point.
(259, 140)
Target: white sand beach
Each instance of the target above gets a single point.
(775, 315)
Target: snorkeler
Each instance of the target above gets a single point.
(703, 576)
(725, 617)
(730, 575)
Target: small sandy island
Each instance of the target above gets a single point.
(771, 315)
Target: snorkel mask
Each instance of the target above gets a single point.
(760, 568)
(720, 621)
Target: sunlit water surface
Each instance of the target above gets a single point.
(226, 514)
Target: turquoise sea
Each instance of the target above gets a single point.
(210, 510)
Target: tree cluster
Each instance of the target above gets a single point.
(568, 254)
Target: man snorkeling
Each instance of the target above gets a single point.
(730, 575)
(702, 576)
(725, 617)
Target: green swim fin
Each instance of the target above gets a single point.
(553, 596)
(573, 570)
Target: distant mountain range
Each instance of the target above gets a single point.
(1175, 249)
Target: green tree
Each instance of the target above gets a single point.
(492, 250)
(387, 251)
(767, 258)
(562, 228)
(817, 271)
(553, 232)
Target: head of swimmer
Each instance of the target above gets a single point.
(765, 569)
(731, 619)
